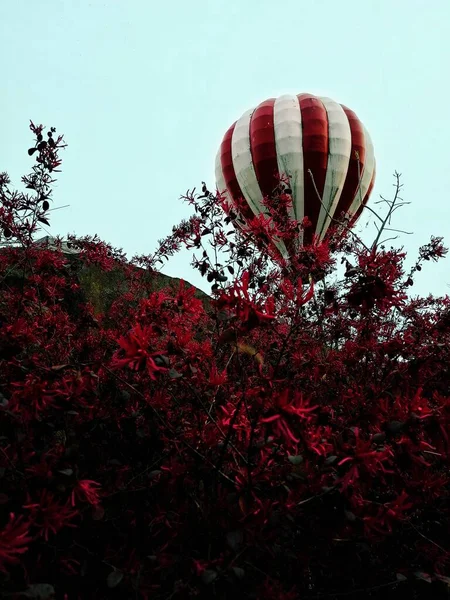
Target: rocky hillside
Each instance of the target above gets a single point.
(97, 286)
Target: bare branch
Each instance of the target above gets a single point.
(399, 231)
(386, 220)
(389, 239)
(373, 212)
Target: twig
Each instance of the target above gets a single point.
(217, 424)
(11, 464)
(427, 538)
(315, 497)
(374, 212)
(364, 591)
(386, 220)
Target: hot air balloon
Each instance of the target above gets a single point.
(319, 146)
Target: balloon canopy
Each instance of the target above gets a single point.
(319, 146)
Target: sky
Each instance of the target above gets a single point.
(144, 91)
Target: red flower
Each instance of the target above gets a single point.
(295, 407)
(49, 516)
(14, 540)
(388, 514)
(135, 354)
(216, 378)
(31, 397)
(186, 300)
(248, 313)
(366, 457)
(86, 490)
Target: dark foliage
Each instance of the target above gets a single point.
(286, 439)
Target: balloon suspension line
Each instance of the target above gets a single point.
(342, 224)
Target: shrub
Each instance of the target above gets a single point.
(285, 438)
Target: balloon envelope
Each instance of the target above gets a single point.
(295, 137)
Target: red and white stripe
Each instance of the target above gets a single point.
(293, 136)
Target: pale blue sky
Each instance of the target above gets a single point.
(145, 90)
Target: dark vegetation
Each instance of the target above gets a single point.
(286, 438)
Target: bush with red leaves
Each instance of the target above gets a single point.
(287, 438)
